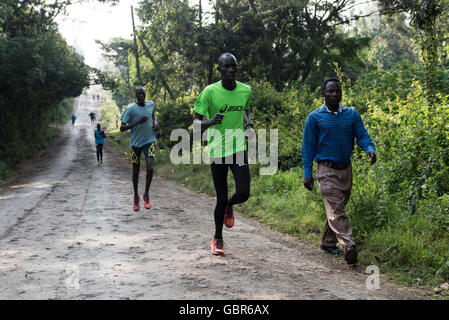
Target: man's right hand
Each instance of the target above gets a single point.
(218, 118)
(142, 120)
(308, 183)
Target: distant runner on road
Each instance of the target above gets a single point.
(92, 117)
(73, 120)
(226, 105)
(99, 142)
(136, 118)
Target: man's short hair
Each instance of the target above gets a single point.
(226, 54)
(329, 80)
(139, 88)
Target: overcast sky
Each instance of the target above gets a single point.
(91, 21)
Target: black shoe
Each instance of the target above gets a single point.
(330, 249)
(351, 255)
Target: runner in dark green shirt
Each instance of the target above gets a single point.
(226, 105)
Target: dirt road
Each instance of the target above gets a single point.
(67, 231)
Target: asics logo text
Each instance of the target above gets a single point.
(230, 108)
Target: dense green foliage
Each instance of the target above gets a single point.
(390, 40)
(38, 71)
(430, 17)
(117, 51)
(279, 41)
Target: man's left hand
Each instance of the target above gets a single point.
(156, 127)
(371, 155)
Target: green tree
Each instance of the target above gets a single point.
(117, 50)
(427, 16)
(38, 70)
(392, 40)
(282, 41)
(169, 32)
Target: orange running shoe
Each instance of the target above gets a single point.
(229, 218)
(136, 205)
(217, 246)
(146, 201)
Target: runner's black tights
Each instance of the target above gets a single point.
(99, 152)
(242, 188)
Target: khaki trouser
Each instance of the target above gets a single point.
(335, 186)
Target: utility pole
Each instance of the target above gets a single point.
(201, 14)
(136, 48)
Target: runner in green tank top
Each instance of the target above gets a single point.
(226, 106)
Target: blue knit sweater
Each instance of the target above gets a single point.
(330, 136)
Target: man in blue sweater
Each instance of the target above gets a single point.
(328, 139)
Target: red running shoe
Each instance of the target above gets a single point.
(136, 205)
(217, 246)
(229, 218)
(146, 201)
